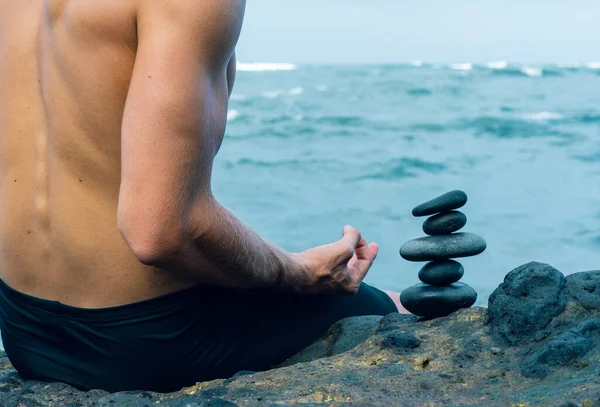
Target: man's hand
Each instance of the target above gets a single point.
(337, 268)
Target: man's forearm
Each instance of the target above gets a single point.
(220, 249)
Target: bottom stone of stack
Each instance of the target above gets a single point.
(435, 301)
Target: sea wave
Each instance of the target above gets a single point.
(265, 66)
(418, 91)
(403, 167)
(535, 72)
(536, 125)
(497, 65)
(542, 116)
(292, 163)
(232, 114)
(461, 67)
(531, 72)
(272, 94)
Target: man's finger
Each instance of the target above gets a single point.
(361, 268)
(346, 245)
(351, 235)
(373, 250)
(362, 250)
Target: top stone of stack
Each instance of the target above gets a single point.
(443, 203)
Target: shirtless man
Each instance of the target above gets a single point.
(119, 269)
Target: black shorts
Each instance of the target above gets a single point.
(166, 343)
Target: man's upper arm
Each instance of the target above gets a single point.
(175, 113)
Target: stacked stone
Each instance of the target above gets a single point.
(441, 293)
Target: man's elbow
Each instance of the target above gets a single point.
(151, 243)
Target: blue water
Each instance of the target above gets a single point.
(310, 149)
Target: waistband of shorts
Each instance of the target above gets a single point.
(149, 306)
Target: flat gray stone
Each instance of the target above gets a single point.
(443, 247)
(444, 272)
(444, 223)
(450, 200)
(400, 339)
(433, 301)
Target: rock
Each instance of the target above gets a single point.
(443, 247)
(444, 223)
(188, 401)
(469, 351)
(561, 351)
(448, 201)
(443, 272)
(394, 321)
(342, 336)
(521, 308)
(584, 288)
(456, 363)
(400, 339)
(433, 301)
(394, 370)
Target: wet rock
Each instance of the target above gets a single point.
(584, 288)
(444, 223)
(444, 272)
(446, 202)
(434, 301)
(443, 247)
(521, 308)
(561, 351)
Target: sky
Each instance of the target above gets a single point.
(451, 31)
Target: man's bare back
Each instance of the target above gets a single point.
(65, 68)
(111, 114)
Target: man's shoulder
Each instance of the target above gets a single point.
(193, 9)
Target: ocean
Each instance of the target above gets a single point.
(309, 149)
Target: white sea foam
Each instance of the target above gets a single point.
(265, 66)
(321, 88)
(232, 114)
(461, 67)
(296, 91)
(593, 65)
(529, 71)
(272, 94)
(417, 63)
(543, 116)
(497, 65)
